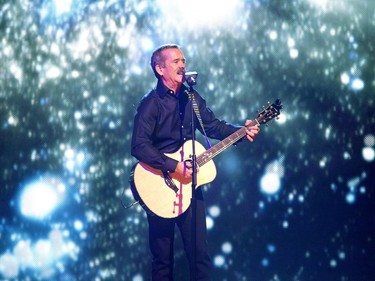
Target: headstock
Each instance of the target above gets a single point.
(272, 111)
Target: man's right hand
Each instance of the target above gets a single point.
(184, 170)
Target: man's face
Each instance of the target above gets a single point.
(172, 71)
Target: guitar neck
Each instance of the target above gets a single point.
(222, 145)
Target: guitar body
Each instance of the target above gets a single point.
(148, 185)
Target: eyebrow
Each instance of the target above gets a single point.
(176, 60)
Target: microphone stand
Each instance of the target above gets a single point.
(193, 205)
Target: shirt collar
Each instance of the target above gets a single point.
(163, 90)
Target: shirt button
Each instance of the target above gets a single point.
(182, 126)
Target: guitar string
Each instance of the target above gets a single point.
(216, 149)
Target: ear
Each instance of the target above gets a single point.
(159, 70)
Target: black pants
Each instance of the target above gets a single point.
(161, 238)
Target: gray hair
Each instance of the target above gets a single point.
(157, 57)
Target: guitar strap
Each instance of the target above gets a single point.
(196, 110)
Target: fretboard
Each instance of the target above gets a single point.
(224, 144)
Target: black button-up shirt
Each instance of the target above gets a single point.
(163, 123)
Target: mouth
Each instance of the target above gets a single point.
(181, 72)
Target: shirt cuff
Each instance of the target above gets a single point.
(170, 165)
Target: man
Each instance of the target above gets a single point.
(162, 124)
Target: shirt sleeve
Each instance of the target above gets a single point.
(141, 145)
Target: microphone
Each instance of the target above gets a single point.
(190, 77)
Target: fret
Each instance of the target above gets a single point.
(266, 115)
(220, 147)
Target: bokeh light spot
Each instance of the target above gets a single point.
(40, 198)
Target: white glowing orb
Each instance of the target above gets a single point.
(53, 72)
(137, 277)
(40, 198)
(273, 35)
(368, 153)
(345, 78)
(282, 118)
(357, 84)
(270, 183)
(78, 225)
(62, 6)
(350, 198)
(227, 248)
(16, 70)
(13, 121)
(195, 15)
(291, 42)
(219, 261)
(210, 223)
(214, 211)
(293, 53)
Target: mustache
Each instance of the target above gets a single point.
(181, 71)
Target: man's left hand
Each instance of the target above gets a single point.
(251, 132)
